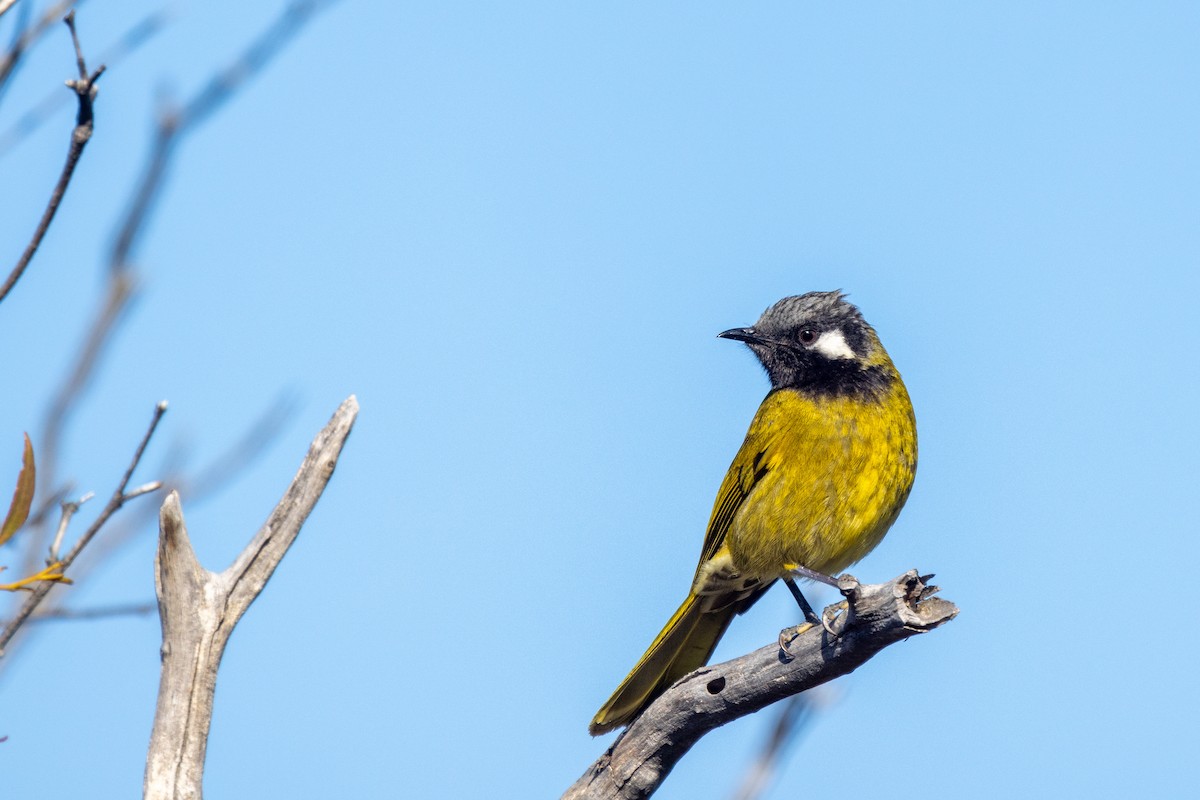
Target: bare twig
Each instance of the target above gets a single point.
(85, 91)
(68, 511)
(118, 499)
(199, 484)
(137, 35)
(200, 608)
(877, 616)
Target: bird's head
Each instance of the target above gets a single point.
(819, 343)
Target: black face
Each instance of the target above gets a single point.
(816, 343)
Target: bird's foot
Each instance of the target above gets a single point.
(834, 618)
(789, 635)
(837, 617)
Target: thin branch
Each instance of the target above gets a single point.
(132, 40)
(85, 90)
(68, 511)
(876, 616)
(200, 608)
(199, 484)
(118, 499)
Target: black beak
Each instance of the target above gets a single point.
(748, 335)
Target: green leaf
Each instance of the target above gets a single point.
(22, 500)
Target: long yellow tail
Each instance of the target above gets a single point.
(685, 644)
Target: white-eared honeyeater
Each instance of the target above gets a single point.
(825, 469)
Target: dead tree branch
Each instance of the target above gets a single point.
(200, 609)
(85, 91)
(877, 616)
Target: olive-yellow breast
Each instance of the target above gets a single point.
(824, 470)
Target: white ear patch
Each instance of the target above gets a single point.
(832, 344)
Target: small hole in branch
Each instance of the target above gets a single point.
(716, 686)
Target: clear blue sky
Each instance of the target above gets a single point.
(513, 231)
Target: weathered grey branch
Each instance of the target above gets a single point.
(200, 609)
(878, 615)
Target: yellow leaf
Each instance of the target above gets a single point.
(22, 500)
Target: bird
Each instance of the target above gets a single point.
(825, 468)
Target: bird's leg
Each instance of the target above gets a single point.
(805, 608)
(826, 619)
(788, 635)
(801, 571)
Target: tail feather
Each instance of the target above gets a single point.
(685, 644)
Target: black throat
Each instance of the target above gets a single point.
(825, 377)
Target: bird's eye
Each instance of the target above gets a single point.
(808, 336)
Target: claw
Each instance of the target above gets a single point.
(830, 615)
(789, 635)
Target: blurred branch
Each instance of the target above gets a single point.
(199, 486)
(118, 499)
(200, 609)
(173, 124)
(141, 32)
(85, 91)
(20, 27)
(122, 284)
(206, 482)
(30, 36)
(89, 614)
(875, 617)
(794, 716)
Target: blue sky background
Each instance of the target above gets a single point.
(513, 230)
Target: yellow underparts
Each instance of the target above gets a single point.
(838, 472)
